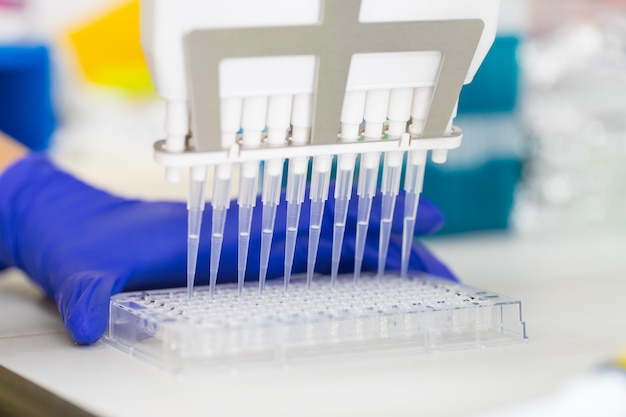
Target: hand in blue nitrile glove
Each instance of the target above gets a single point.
(81, 245)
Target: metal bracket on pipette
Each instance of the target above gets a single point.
(457, 40)
(238, 153)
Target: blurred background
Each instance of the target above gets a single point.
(544, 145)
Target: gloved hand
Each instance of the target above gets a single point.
(82, 245)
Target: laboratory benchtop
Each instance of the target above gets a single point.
(571, 285)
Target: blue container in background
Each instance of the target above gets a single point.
(475, 189)
(496, 84)
(26, 109)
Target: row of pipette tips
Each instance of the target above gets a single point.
(377, 108)
(343, 193)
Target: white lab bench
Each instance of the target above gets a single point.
(572, 288)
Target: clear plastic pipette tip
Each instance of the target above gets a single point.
(413, 186)
(368, 176)
(195, 207)
(315, 229)
(343, 192)
(220, 203)
(411, 202)
(293, 217)
(193, 243)
(247, 198)
(341, 211)
(365, 206)
(217, 237)
(267, 231)
(387, 208)
(245, 223)
(390, 185)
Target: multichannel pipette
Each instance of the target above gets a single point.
(295, 81)
(229, 84)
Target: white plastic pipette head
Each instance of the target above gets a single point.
(352, 114)
(176, 125)
(231, 109)
(375, 113)
(176, 131)
(301, 118)
(440, 156)
(399, 113)
(253, 120)
(422, 97)
(278, 119)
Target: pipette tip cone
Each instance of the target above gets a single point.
(241, 274)
(334, 273)
(212, 282)
(262, 278)
(287, 278)
(358, 262)
(309, 275)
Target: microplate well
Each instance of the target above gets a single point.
(421, 313)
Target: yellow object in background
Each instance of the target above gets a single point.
(109, 50)
(621, 361)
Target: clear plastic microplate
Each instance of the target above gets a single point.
(419, 312)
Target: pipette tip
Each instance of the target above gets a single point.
(240, 275)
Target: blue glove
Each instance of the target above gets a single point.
(82, 245)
